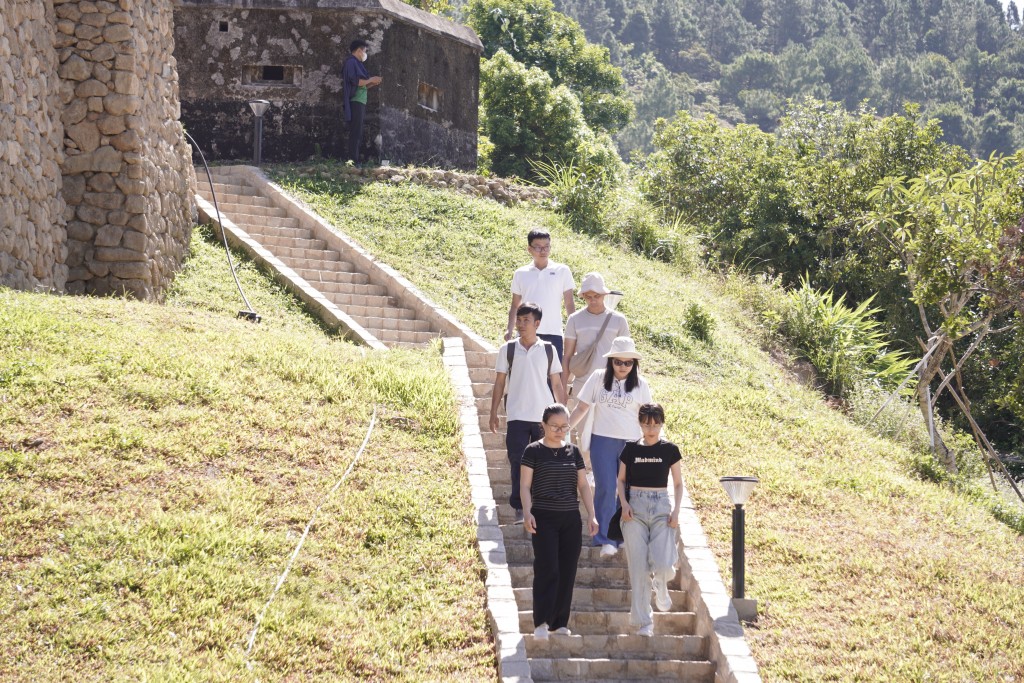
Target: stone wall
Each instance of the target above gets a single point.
(32, 236)
(128, 181)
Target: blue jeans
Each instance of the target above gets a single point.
(518, 435)
(604, 461)
(650, 548)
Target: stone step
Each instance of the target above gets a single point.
(483, 388)
(575, 669)
(341, 277)
(231, 196)
(482, 374)
(243, 210)
(263, 232)
(476, 359)
(494, 440)
(274, 242)
(310, 259)
(586, 576)
(403, 338)
(616, 646)
(609, 623)
(335, 290)
(586, 599)
(367, 301)
(259, 225)
(378, 311)
(378, 324)
(520, 553)
(223, 185)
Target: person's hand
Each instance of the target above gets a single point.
(627, 512)
(376, 80)
(508, 336)
(594, 527)
(673, 520)
(529, 523)
(494, 424)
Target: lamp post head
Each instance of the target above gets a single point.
(259, 107)
(739, 488)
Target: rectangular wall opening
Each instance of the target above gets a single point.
(429, 97)
(271, 74)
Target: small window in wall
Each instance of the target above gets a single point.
(272, 74)
(429, 97)
(223, 27)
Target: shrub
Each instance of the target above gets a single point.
(845, 344)
(699, 323)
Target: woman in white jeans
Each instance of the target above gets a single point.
(649, 518)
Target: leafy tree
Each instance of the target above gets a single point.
(533, 33)
(995, 133)
(847, 68)
(951, 235)
(957, 125)
(1013, 15)
(526, 116)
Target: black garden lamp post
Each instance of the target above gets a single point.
(739, 489)
(259, 107)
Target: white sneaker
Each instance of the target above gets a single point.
(608, 550)
(646, 631)
(564, 631)
(661, 597)
(541, 632)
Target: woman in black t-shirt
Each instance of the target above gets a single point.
(649, 519)
(551, 474)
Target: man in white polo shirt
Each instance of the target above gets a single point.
(547, 284)
(533, 381)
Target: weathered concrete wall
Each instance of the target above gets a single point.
(32, 235)
(223, 50)
(128, 180)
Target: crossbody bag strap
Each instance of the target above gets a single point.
(600, 333)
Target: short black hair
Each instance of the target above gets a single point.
(537, 234)
(651, 412)
(528, 307)
(356, 44)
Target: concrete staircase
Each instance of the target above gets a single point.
(313, 260)
(602, 646)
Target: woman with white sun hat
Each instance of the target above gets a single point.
(615, 394)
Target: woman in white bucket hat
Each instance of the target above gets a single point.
(615, 394)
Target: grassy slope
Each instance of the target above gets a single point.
(864, 572)
(159, 463)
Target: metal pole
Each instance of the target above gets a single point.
(257, 153)
(737, 551)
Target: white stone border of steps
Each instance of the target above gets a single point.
(397, 286)
(699, 575)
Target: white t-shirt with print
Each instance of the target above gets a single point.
(616, 412)
(546, 288)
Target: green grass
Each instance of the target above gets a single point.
(159, 463)
(864, 572)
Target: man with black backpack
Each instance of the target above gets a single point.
(534, 384)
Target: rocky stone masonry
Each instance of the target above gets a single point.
(32, 236)
(498, 189)
(128, 179)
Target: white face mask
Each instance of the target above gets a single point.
(363, 57)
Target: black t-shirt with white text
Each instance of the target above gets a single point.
(554, 476)
(648, 466)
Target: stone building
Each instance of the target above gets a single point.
(96, 182)
(290, 52)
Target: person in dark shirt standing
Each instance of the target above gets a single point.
(356, 80)
(552, 475)
(649, 519)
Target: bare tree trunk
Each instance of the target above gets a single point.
(927, 373)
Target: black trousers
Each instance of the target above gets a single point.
(518, 435)
(556, 552)
(355, 130)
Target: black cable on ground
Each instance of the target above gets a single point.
(249, 314)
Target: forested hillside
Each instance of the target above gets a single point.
(961, 60)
